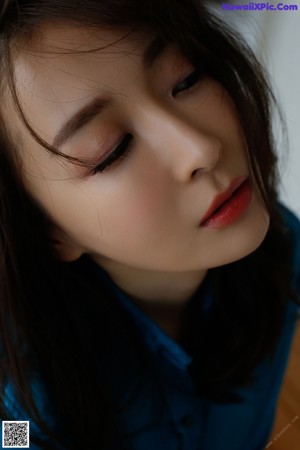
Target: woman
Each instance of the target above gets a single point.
(149, 274)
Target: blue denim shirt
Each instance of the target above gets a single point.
(178, 419)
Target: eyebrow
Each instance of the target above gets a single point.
(97, 105)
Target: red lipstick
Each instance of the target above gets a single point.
(229, 205)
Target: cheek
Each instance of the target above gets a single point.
(133, 211)
(96, 218)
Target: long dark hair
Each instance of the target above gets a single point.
(43, 324)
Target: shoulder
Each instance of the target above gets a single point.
(291, 219)
(41, 397)
(292, 224)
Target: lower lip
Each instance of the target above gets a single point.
(232, 209)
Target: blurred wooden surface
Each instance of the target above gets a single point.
(285, 434)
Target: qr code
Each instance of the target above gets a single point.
(15, 434)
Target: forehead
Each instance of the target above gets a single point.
(63, 55)
(63, 65)
(62, 37)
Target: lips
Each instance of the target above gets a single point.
(222, 197)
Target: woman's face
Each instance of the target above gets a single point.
(181, 140)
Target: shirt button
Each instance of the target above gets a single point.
(187, 420)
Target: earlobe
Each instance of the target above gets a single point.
(63, 247)
(66, 252)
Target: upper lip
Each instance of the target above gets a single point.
(223, 196)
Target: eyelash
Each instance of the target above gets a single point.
(123, 149)
(189, 81)
(120, 152)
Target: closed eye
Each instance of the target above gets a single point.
(189, 81)
(120, 152)
(123, 149)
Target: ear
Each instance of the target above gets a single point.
(64, 247)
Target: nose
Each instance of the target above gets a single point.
(184, 146)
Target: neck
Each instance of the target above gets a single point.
(161, 295)
(154, 288)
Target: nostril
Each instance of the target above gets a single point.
(196, 172)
